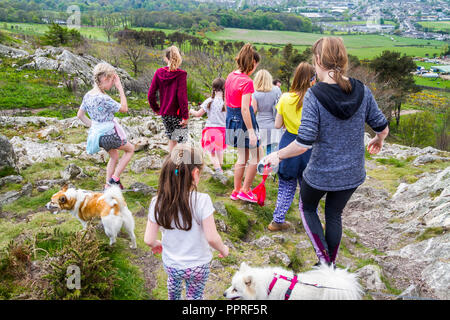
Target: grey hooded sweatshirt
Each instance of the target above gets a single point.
(333, 126)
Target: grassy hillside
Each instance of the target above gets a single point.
(363, 46)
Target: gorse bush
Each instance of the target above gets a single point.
(57, 36)
(97, 276)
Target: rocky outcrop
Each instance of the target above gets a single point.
(78, 67)
(8, 158)
(12, 52)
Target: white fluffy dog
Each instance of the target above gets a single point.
(109, 206)
(273, 283)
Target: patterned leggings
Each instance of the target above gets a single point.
(286, 193)
(194, 277)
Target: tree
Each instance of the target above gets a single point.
(57, 36)
(135, 53)
(109, 26)
(396, 70)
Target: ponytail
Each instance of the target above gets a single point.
(174, 57)
(247, 58)
(331, 54)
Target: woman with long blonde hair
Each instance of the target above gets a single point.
(334, 115)
(263, 101)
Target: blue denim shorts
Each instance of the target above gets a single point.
(236, 130)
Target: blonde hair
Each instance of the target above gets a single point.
(101, 71)
(263, 81)
(174, 57)
(331, 55)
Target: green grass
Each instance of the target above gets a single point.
(364, 46)
(436, 26)
(431, 233)
(432, 82)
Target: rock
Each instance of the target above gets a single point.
(8, 157)
(221, 226)
(50, 183)
(411, 291)
(216, 264)
(279, 257)
(78, 67)
(263, 242)
(279, 238)
(437, 277)
(220, 177)
(47, 132)
(140, 143)
(10, 179)
(12, 52)
(220, 208)
(305, 244)
(12, 196)
(71, 172)
(427, 158)
(29, 151)
(370, 277)
(143, 188)
(146, 163)
(9, 197)
(43, 188)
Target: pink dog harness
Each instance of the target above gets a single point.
(289, 290)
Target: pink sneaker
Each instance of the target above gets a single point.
(249, 196)
(234, 195)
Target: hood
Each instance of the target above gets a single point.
(168, 76)
(337, 102)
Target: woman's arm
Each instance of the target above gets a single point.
(376, 143)
(213, 237)
(292, 150)
(279, 122)
(245, 109)
(152, 94)
(82, 116)
(255, 105)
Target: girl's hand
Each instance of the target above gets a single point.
(375, 145)
(117, 82)
(184, 123)
(224, 252)
(158, 248)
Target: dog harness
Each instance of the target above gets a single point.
(289, 290)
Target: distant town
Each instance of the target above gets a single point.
(408, 18)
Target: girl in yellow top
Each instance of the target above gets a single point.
(289, 115)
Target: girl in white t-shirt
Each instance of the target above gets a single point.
(213, 135)
(186, 219)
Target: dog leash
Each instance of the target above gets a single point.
(315, 285)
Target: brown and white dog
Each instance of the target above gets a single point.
(109, 206)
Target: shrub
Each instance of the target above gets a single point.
(416, 130)
(97, 274)
(57, 36)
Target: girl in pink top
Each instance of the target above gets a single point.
(241, 126)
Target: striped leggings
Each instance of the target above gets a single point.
(194, 277)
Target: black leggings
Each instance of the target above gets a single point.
(326, 245)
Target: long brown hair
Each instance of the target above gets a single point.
(302, 81)
(174, 57)
(217, 85)
(331, 55)
(173, 203)
(247, 58)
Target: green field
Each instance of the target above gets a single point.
(430, 82)
(363, 46)
(95, 33)
(436, 25)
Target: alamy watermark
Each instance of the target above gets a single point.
(73, 277)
